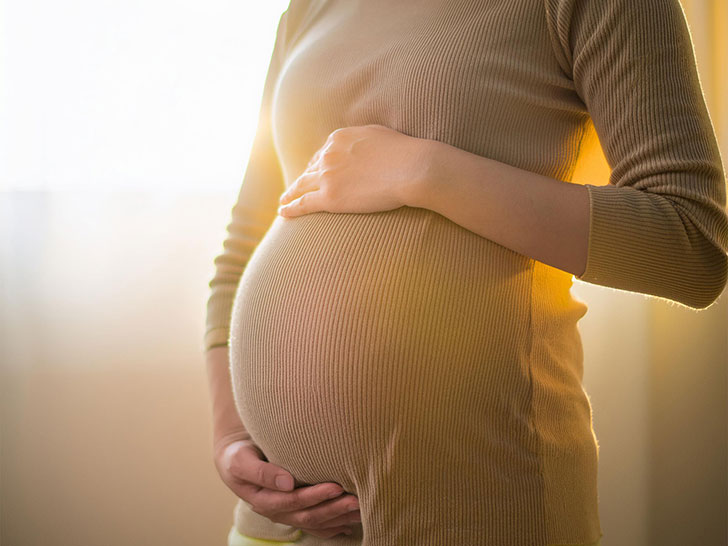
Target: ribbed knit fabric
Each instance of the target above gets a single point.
(434, 373)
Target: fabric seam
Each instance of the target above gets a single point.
(531, 419)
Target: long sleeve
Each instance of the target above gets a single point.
(254, 211)
(660, 226)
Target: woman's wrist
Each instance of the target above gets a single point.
(226, 423)
(535, 215)
(223, 438)
(422, 192)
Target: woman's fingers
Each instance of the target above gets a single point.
(309, 507)
(319, 508)
(315, 158)
(349, 518)
(325, 500)
(246, 464)
(329, 517)
(306, 182)
(328, 533)
(309, 513)
(318, 522)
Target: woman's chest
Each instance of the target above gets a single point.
(474, 74)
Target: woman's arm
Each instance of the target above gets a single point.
(660, 226)
(538, 216)
(226, 423)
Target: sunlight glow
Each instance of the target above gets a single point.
(131, 95)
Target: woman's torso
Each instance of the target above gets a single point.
(428, 370)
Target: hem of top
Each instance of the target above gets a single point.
(236, 538)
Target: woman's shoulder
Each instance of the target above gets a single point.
(297, 15)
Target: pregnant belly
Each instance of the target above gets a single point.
(360, 341)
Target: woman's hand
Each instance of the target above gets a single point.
(360, 169)
(320, 510)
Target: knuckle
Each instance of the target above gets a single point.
(327, 175)
(232, 466)
(332, 158)
(259, 475)
(305, 519)
(263, 508)
(285, 504)
(327, 158)
(246, 489)
(255, 507)
(342, 133)
(329, 192)
(296, 498)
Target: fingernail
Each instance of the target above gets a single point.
(284, 482)
(334, 493)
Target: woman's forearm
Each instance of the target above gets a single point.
(226, 423)
(535, 215)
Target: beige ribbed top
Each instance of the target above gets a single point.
(428, 370)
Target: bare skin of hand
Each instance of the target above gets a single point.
(360, 169)
(320, 510)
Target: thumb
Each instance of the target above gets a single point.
(254, 469)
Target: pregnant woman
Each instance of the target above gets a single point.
(402, 330)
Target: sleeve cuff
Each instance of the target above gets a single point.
(627, 235)
(640, 243)
(217, 337)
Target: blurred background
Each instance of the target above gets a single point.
(125, 129)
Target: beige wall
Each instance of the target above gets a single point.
(105, 429)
